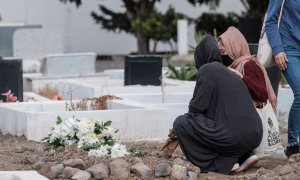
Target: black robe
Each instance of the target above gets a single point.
(222, 123)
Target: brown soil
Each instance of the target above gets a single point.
(16, 153)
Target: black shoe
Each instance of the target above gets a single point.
(290, 150)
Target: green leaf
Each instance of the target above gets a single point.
(174, 71)
(186, 73)
(97, 129)
(199, 36)
(182, 74)
(58, 120)
(107, 123)
(191, 75)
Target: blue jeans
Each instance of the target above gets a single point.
(292, 75)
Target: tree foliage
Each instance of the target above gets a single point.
(255, 8)
(142, 19)
(208, 22)
(145, 22)
(207, 2)
(77, 2)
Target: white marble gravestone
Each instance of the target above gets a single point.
(77, 64)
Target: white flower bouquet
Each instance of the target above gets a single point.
(92, 135)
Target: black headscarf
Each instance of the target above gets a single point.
(207, 51)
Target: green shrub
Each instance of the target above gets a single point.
(186, 73)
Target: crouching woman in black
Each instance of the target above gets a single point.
(222, 123)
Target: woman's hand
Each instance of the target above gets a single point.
(172, 134)
(236, 72)
(259, 105)
(281, 60)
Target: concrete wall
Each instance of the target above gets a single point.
(34, 44)
(72, 29)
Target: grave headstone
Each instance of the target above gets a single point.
(143, 70)
(11, 78)
(76, 64)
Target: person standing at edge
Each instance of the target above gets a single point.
(285, 44)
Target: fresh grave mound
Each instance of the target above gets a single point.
(19, 154)
(73, 150)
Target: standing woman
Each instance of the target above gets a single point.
(285, 43)
(222, 123)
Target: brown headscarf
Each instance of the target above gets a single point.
(237, 49)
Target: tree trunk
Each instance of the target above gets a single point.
(143, 44)
(139, 10)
